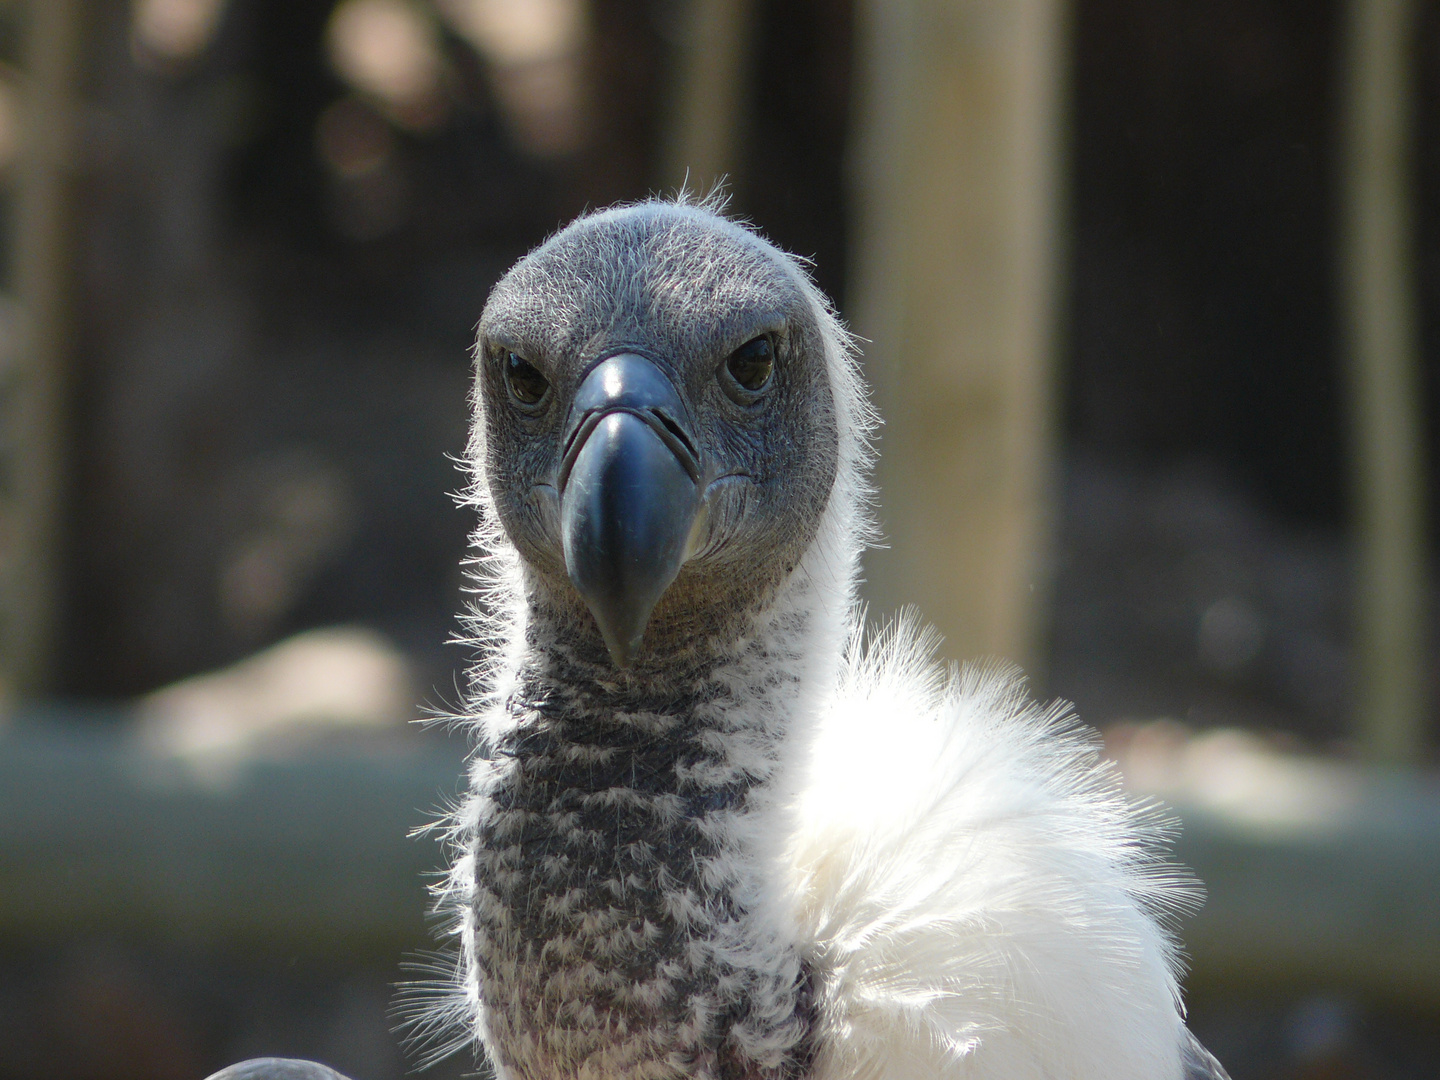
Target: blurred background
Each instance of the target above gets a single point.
(1150, 293)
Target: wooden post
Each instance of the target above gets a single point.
(34, 400)
(1379, 309)
(958, 250)
(701, 141)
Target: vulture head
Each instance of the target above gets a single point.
(666, 403)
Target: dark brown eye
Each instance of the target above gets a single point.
(524, 380)
(752, 364)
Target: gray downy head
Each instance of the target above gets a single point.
(659, 435)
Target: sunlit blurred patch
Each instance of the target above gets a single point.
(389, 51)
(1251, 782)
(518, 31)
(276, 702)
(533, 52)
(169, 33)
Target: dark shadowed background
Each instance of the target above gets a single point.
(274, 228)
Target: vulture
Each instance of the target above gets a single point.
(715, 828)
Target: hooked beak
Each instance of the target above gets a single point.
(629, 496)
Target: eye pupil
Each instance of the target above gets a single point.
(752, 364)
(524, 380)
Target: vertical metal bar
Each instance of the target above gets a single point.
(34, 429)
(957, 262)
(1379, 308)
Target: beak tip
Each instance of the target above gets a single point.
(622, 649)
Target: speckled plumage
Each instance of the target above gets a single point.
(612, 893)
(766, 850)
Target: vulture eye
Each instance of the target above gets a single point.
(750, 366)
(526, 383)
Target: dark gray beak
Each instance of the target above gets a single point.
(629, 495)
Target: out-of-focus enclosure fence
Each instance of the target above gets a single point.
(1146, 294)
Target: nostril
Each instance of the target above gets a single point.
(575, 434)
(587, 424)
(676, 430)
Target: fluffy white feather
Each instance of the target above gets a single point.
(979, 898)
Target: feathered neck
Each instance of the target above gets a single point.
(625, 910)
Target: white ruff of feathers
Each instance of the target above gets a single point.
(974, 895)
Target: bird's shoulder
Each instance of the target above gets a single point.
(974, 886)
(910, 752)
